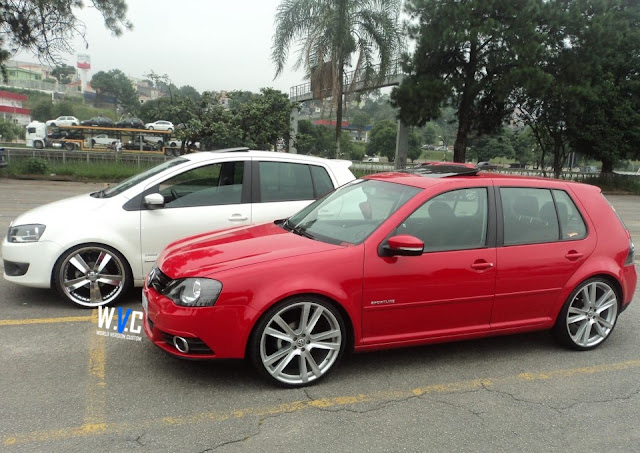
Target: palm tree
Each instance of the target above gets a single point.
(330, 33)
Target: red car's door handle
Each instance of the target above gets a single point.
(481, 265)
(573, 255)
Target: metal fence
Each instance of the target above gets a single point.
(63, 157)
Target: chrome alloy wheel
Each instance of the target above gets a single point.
(592, 314)
(91, 276)
(300, 343)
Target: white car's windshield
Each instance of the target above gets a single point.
(128, 183)
(352, 212)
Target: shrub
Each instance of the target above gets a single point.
(37, 166)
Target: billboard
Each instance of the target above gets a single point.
(84, 61)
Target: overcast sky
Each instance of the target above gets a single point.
(208, 44)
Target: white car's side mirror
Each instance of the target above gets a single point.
(154, 200)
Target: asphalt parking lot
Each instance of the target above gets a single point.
(65, 388)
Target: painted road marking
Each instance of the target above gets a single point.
(322, 403)
(24, 322)
(96, 385)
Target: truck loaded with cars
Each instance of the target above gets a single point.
(70, 133)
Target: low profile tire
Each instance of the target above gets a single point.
(298, 341)
(91, 275)
(588, 316)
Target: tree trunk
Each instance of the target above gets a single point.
(466, 105)
(339, 109)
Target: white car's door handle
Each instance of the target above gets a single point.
(238, 217)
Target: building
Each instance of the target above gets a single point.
(11, 108)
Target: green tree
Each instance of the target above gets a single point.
(48, 27)
(9, 131)
(42, 111)
(115, 83)
(606, 94)
(329, 33)
(314, 140)
(468, 54)
(415, 141)
(187, 91)
(382, 140)
(63, 73)
(264, 119)
(487, 147)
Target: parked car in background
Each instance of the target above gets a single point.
(101, 139)
(3, 159)
(131, 123)
(115, 240)
(160, 126)
(63, 121)
(486, 166)
(99, 121)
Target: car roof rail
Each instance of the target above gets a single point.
(230, 150)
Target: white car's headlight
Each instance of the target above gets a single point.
(25, 233)
(194, 292)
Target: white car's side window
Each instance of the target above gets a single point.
(210, 185)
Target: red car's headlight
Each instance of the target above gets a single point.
(194, 292)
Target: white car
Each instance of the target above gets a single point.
(160, 126)
(63, 121)
(115, 234)
(101, 139)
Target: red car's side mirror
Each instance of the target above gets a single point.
(404, 245)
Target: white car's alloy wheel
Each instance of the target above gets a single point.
(92, 275)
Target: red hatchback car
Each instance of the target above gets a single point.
(394, 260)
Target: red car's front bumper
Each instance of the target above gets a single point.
(210, 332)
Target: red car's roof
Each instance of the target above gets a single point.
(417, 180)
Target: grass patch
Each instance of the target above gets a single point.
(80, 171)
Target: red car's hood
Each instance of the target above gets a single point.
(204, 254)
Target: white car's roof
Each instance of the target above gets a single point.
(206, 155)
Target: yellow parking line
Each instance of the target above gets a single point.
(91, 429)
(96, 385)
(24, 322)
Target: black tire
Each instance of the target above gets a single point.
(305, 359)
(104, 279)
(150, 128)
(69, 146)
(38, 144)
(93, 143)
(53, 124)
(168, 152)
(588, 316)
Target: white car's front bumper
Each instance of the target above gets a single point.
(30, 264)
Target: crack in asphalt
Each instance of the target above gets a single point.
(631, 395)
(521, 400)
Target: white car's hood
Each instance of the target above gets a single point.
(63, 210)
